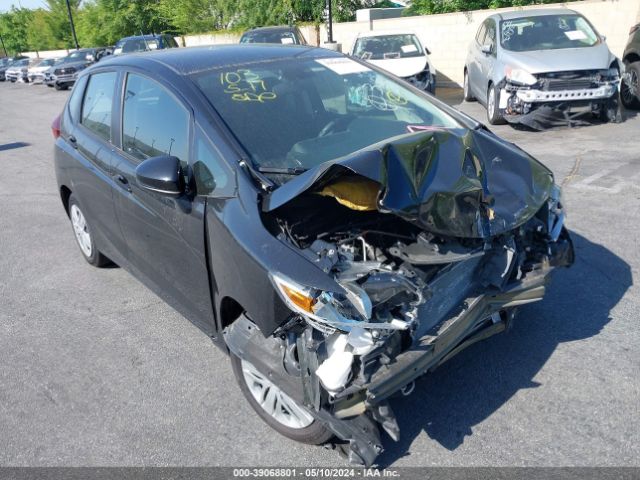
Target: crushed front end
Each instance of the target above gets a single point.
(556, 98)
(433, 243)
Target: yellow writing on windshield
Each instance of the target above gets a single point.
(244, 85)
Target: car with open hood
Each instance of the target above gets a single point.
(535, 66)
(339, 232)
(399, 53)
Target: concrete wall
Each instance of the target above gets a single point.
(448, 35)
(48, 54)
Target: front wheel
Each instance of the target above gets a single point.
(493, 106)
(275, 407)
(84, 237)
(630, 87)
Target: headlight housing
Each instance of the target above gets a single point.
(519, 76)
(330, 311)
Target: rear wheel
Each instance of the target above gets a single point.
(630, 87)
(84, 237)
(275, 407)
(493, 106)
(466, 89)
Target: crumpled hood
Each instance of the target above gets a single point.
(560, 60)
(460, 183)
(402, 67)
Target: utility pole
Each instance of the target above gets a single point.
(73, 29)
(329, 23)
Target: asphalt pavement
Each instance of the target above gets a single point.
(95, 370)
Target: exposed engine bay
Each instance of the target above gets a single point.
(412, 288)
(559, 98)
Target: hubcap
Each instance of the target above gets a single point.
(274, 401)
(81, 230)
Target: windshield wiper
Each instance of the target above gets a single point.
(283, 171)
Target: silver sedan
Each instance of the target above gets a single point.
(530, 66)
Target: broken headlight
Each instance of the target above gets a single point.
(331, 311)
(519, 76)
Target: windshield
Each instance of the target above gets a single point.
(291, 115)
(284, 37)
(4, 62)
(77, 56)
(47, 62)
(388, 46)
(138, 45)
(546, 33)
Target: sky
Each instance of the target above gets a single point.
(6, 4)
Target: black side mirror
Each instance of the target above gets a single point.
(486, 49)
(161, 174)
(427, 51)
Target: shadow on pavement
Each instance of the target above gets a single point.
(447, 403)
(11, 146)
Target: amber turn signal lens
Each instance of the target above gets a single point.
(298, 298)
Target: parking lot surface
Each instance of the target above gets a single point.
(95, 370)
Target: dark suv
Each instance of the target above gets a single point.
(281, 35)
(630, 88)
(336, 230)
(64, 74)
(142, 43)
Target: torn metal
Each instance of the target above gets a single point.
(561, 98)
(465, 229)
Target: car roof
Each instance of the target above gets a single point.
(140, 37)
(276, 28)
(185, 61)
(380, 33)
(533, 12)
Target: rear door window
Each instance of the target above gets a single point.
(154, 122)
(98, 103)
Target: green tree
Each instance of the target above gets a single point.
(14, 26)
(39, 34)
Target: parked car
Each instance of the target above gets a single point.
(142, 43)
(64, 74)
(35, 73)
(630, 87)
(283, 35)
(400, 53)
(338, 232)
(528, 66)
(6, 62)
(18, 70)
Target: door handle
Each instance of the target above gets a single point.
(72, 140)
(122, 180)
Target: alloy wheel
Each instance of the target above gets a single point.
(273, 400)
(81, 229)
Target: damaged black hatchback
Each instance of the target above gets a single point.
(336, 230)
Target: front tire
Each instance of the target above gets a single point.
(83, 235)
(493, 106)
(276, 408)
(630, 89)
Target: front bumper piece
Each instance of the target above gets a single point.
(354, 419)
